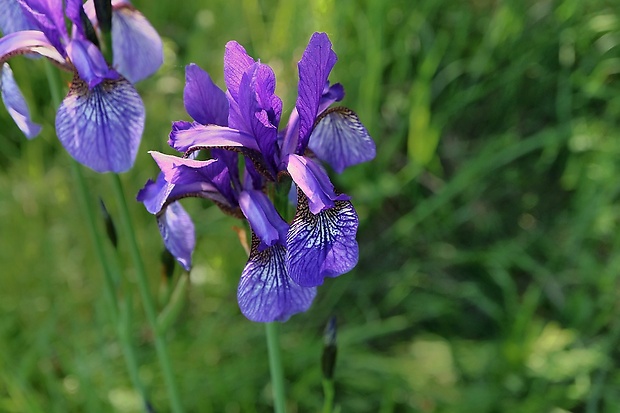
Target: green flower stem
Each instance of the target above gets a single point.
(97, 236)
(145, 293)
(329, 394)
(275, 366)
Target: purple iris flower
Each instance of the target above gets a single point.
(287, 261)
(101, 120)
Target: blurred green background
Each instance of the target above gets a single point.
(490, 255)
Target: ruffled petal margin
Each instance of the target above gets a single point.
(265, 292)
(101, 127)
(321, 245)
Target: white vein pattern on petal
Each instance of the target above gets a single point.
(102, 127)
(341, 140)
(323, 244)
(265, 292)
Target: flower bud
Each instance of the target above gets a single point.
(328, 359)
(110, 229)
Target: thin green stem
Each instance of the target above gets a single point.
(329, 394)
(275, 366)
(97, 236)
(145, 293)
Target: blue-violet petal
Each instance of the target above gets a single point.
(265, 292)
(314, 68)
(101, 127)
(341, 140)
(186, 137)
(177, 231)
(314, 182)
(89, 62)
(136, 46)
(264, 220)
(12, 18)
(321, 245)
(204, 101)
(16, 104)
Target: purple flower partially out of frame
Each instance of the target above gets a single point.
(101, 120)
(287, 261)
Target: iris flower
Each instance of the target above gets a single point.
(287, 261)
(101, 120)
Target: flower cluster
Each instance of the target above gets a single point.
(287, 260)
(101, 120)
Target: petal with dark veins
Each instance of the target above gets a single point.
(340, 139)
(265, 292)
(101, 127)
(321, 245)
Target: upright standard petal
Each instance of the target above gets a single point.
(259, 115)
(16, 104)
(204, 101)
(137, 48)
(340, 139)
(236, 62)
(101, 127)
(265, 292)
(177, 231)
(314, 68)
(321, 245)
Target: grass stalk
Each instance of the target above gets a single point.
(146, 296)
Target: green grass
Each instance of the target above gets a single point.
(489, 268)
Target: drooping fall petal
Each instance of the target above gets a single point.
(321, 245)
(101, 127)
(265, 291)
(341, 140)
